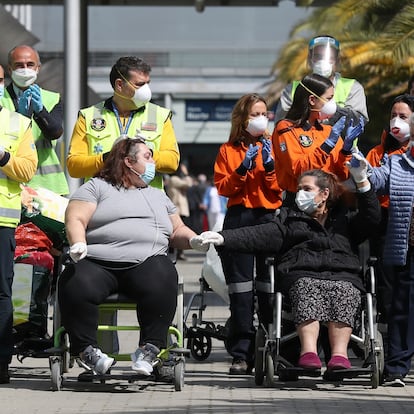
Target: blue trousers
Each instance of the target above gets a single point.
(238, 269)
(401, 319)
(7, 247)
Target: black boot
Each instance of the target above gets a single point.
(4, 373)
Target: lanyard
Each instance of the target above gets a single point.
(123, 131)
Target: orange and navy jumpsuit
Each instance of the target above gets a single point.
(299, 149)
(253, 196)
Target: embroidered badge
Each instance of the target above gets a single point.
(305, 141)
(98, 124)
(148, 126)
(282, 146)
(98, 149)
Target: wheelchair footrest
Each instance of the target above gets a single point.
(180, 351)
(340, 374)
(298, 372)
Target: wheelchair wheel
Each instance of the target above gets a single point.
(258, 357)
(200, 346)
(270, 370)
(179, 370)
(379, 361)
(55, 372)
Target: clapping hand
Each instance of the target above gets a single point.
(24, 102)
(358, 168)
(266, 151)
(250, 156)
(352, 133)
(336, 132)
(37, 103)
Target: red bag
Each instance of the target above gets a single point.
(30, 238)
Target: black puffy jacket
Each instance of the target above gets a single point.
(305, 248)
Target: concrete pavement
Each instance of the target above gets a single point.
(208, 387)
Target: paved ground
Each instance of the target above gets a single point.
(208, 387)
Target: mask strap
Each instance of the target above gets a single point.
(126, 80)
(312, 93)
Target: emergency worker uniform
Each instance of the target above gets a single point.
(253, 196)
(300, 149)
(98, 127)
(17, 165)
(46, 129)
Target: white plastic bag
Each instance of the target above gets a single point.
(212, 270)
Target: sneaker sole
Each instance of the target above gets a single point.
(108, 364)
(395, 383)
(143, 369)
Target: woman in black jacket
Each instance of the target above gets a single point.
(316, 260)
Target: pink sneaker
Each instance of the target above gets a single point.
(309, 360)
(338, 362)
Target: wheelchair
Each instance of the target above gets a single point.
(169, 366)
(200, 333)
(274, 339)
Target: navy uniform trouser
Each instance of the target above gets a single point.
(401, 319)
(239, 272)
(7, 247)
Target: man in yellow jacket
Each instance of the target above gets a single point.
(18, 163)
(128, 112)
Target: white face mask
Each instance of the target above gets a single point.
(142, 96)
(24, 77)
(328, 109)
(1, 91)
(399, 129)
(323, 68)
(305, 200)
(257, 126)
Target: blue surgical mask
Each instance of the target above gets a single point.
(1, 91)
(149, 174)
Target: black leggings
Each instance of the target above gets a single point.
(83, 286)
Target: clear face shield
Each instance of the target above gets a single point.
(323, 55)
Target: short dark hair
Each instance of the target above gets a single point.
(124, 65)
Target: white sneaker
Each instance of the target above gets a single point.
(95, 359)
(143, 359)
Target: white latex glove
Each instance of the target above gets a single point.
(196, 243)
(1, 152)
(206, 238)
(358, 168)
(78, 251)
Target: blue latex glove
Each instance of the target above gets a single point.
(37, 103)
(352, 133)
(336, 132)
(24, 103)
(251, 154)
(266, 151)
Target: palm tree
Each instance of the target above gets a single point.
(377, 47)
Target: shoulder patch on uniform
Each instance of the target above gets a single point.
(282, 146)
(98, 124)
(305, 141)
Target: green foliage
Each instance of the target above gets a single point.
(377, 49)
